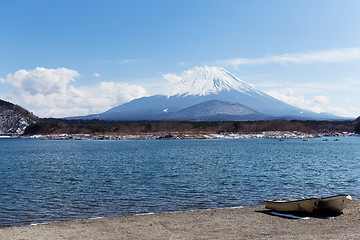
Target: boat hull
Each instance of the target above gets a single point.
(334, 204)
(325, 205)
(307, 206)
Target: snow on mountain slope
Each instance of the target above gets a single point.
(208, 80)
(199, 85)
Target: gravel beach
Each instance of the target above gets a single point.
(229, 223)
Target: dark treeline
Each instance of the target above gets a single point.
(58, 126)
(357, 125)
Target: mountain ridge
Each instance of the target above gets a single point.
(14, 119)
(202, 84)
(215, 110)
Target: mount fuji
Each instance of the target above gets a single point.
(208, 93)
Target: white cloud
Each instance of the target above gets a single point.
(52, 95)
(172, 78)
(327, 56)
(345, 112)
(97, 75)
(315, 96)
(318, 103)
(121, 92)
(310, 88)
(41, 80)
(352, 82)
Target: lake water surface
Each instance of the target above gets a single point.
(45, 180)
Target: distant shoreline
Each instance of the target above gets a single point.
(174, 136)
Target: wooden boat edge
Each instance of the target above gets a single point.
(319, 205)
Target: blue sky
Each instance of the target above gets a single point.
(63, 58)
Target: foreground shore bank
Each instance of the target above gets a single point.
(230, 223)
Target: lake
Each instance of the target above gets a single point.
(52, 180)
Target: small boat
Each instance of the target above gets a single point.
(307, 205)
(333, 204)
(323, 205)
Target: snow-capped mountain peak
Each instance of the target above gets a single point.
(207, 80)
(206, 94)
